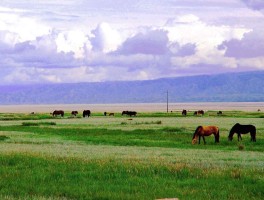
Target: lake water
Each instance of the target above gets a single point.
(139, 107)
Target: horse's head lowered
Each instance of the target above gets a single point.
(194, 140)
(232, 132)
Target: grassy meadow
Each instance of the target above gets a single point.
(118, 157)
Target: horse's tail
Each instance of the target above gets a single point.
(217, 136)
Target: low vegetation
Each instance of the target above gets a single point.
(145, 157)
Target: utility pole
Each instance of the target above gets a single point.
(167, 101)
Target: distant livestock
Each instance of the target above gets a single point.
(199, 112)
(74, 113)
(219, 113)
(129, 113)
(86, 113)
(109, 114)
(184, 112)
(58, 112)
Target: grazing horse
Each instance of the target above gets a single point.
(202, 131)
(184, 112)
(219, 112)
(242, 129)
(199, 112)
(86, 113)
(111, 114)
(58, 112)
(129, 113)
(74, 113)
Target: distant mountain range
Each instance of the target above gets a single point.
(229, 87)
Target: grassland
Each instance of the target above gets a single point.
(148, 157)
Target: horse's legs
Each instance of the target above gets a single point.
(204, 140)
(253, 137)
(199, 139)
(239, 136)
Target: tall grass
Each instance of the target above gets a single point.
(116, 158)
(125, 179)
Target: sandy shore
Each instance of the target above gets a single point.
(139, 107)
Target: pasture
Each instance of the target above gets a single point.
(150, 156)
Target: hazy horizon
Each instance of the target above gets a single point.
(139, 107)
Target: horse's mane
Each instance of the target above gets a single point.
(196, 131)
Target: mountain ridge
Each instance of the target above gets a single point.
(228, 87)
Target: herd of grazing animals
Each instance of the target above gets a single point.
(200, 132)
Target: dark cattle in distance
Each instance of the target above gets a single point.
(86, 113)
(199, 112)
(219, 113)
(184, 112)
(129, 113)
(58, 112)
(74, 112)
(109, 114)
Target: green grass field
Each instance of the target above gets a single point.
(148, 157)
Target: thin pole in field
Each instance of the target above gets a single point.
(167, 101)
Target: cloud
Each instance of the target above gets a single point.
(72, 41)
(255, 4)
(105, 38)
(203, 41)
(37, 47)
(248, 47)
(149, 42)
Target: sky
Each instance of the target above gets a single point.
(69, 41)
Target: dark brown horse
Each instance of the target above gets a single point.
(129, 113)
(109, 114)
(74, 113)
(219, 112)
(202, 131)
(58, 112)
(86, 113)
(184, 112)
(242, 129)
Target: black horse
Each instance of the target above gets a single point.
(184, 112)
(129, 113)
(242, 129)
(86, 113)
(58, 112)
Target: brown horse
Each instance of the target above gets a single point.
(58, 112)
(74, 113)
(202, 131)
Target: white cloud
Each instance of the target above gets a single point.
(72, 41)
(252, 63)
(105, 39)
(206, 39)
(24, 28)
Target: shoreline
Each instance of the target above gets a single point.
(139, 107)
